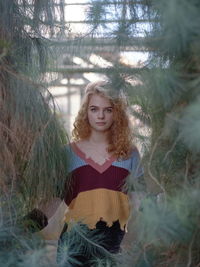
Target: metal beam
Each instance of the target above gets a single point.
(129, 2)
(107, 21)
(72, 70)
(78, 86)
(132, 2)
(100, 44)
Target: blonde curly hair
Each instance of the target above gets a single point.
(120, 134)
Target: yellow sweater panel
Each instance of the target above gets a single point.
(99, 204)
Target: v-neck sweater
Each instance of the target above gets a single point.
(96, 192)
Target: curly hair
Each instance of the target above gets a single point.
(120, 134)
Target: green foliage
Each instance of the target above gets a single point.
(177, 29)
(25, 25)
(190, 126)
(82, 242)
(33, 159)
(167, 97)
(164, 87)
(96, 12)
(32, 139)
(166, 230)
(18, 247)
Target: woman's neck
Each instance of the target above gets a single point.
(98, 138)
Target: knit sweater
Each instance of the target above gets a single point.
(96, 191)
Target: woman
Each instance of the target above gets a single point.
(101, 156)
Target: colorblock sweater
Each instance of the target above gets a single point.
(96, 190)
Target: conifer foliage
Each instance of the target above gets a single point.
(31, 139)
(166, 90)
(167, 225)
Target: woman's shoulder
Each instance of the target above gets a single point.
(133, 152)
(75, 157)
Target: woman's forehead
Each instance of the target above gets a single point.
(98, 100)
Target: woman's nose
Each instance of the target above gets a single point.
(100, 114)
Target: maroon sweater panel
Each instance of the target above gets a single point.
(87, 178)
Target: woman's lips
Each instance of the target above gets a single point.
(100, 123)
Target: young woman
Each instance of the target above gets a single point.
(101, 155)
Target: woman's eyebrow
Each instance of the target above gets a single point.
(93, 106)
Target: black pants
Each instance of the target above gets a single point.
(84, 247)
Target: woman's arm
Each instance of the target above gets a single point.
(55, 224)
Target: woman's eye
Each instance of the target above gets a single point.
(109, 110)
(93, 109)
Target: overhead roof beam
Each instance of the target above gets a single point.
(106, 21)
(132, 2)
(72, 69)
(100, 44)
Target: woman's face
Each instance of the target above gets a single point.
(100, 113)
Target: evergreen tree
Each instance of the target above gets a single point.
(166, 229)
(168, 96)
(33, 163)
